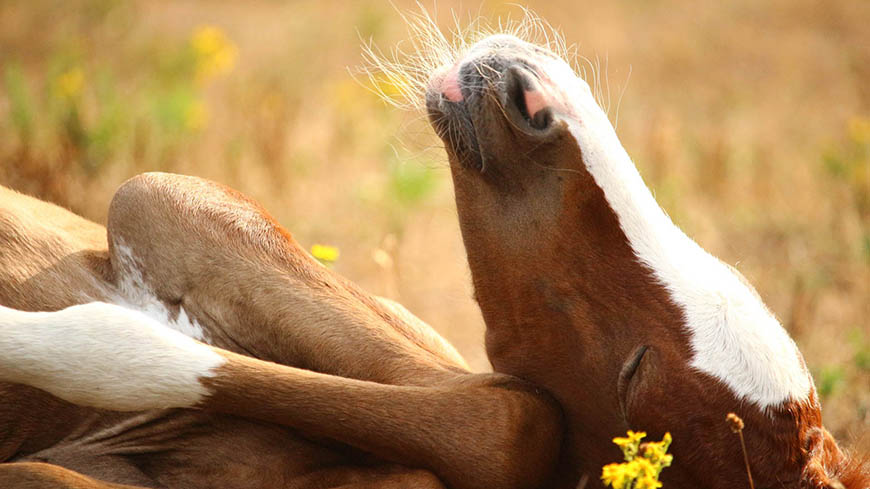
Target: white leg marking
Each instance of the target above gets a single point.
(136, 294)
(104, 355)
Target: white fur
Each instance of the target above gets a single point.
(733, 336)
(136, 294)
(104, 355)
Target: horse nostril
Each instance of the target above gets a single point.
(523, 92)
(542, 119)
(515, 91)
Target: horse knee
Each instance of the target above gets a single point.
(174, 230)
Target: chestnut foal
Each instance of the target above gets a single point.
(590, 291)
(361, 393)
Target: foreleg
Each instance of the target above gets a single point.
(33, 475)
(473, 431)
(220, 258)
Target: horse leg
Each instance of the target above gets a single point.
(386, 477)
(207, 252)
(37, 475)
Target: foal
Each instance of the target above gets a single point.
(590, 291)
(587, 288)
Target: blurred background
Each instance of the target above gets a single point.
(750, 121)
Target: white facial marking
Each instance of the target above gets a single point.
(733, 336)
(104, 355)
(136, 294)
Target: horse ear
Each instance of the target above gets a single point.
(829, 467)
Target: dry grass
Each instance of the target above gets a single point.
(749, 119)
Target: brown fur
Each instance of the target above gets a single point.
(30, 475)
(361, 388)
(403, 395)
(499, 417)
(223, 258)
(567, 303)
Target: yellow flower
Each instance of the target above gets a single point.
(631, 439)
(647, 482)
(69, 84)
(645, 467)
(215, 53)
(647, 477)
(619, 476)
(630, 444)
(638, 471)
(656, 451)
(859, 129)
(324, 253)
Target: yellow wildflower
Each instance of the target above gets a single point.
(640, 470)
(656, 451)
(215, 53)
(324, 253)
(647, 476)
(647, 482)
(629, 444)
(859, 129)
(69, 84)
(645, 467)
(620, 476)
(630, 439)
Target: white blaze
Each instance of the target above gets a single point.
(105, 356)
(733, 336)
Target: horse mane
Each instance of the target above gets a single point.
(831, 467)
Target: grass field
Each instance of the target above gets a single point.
(750, 120)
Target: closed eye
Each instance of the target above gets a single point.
(626, 374)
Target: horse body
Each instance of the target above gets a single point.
(51, 260)
(353, 390)
(590, 295)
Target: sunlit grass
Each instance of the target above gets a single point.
(754, 134)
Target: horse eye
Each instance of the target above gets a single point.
(629, 368)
